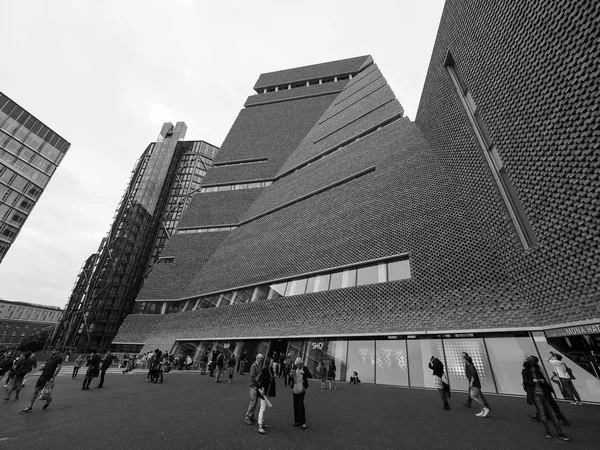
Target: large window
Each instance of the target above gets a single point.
(391, 362)
(420, 352)
(507, 191)
(361, 359)
(455, 364)
(506, 356)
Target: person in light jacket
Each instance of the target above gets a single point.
(299, 383)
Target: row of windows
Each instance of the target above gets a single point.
(205, 230)
(26, 128)
(10, 215)
(234, 187)
(241, 162)
(315, 82)
(25, 153)
(12, 198)
(381, 272)
(18, 183)
(21, 133)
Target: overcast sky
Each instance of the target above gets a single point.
(106, 75)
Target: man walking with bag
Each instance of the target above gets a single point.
(50, 370)
(255, 371)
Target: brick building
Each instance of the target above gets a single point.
(19, 320)
(335, 228)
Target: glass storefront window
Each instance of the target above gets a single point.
(391, 363)
(586, 384)
(324, 351)
(506, 356)
(420, 352)
(455, 365)
(361, 359)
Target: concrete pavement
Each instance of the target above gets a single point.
(190, 411)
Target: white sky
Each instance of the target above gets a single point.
(106, 74)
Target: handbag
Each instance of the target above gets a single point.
(47, 391)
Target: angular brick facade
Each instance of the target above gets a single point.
(354, 181)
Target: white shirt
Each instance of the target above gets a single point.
(560, 367)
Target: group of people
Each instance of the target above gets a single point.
(538, 388)
(262, 387)
(18, 367)
(327, 372)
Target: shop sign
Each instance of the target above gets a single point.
(574, 331)
(318, 345)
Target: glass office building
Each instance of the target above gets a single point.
(30, 152)
(162, 184)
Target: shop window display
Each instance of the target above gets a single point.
(455, 364)
(420, 352)
(361, 359)
(391, 363)
(506, 357)
(586, 384)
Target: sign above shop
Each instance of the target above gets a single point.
(574, 331)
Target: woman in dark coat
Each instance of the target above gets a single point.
(438, 372)
(539, 393)
(93, 363)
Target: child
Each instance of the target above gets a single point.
(354, 378)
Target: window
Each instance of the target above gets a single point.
(398, 270)
(507, 191)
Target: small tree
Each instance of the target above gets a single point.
(37, 340)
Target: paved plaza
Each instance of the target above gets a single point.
(190, 411)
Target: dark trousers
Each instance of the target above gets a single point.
(102, 373)
(299, 412)
(75, 370)
(544, 407)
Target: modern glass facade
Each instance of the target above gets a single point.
(165, 177)
(30, 152)
(404, 360)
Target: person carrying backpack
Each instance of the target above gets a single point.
(21, 367)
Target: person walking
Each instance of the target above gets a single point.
(21, 367)
(220, 364)
(265, 379)
(6, 363)
(242, 364)
(204, 364)
(475, 386)
(106, 363)
(299, 383)
(93, 363)
(331, 373)
(77, 366)
(49, 372)
(559, 414)
(322, 371)
(538, 392)
(469, 400)
(231, 366)
(564, 378)
(213, 362)
(438, 372)
(255, 371)
(33, 366)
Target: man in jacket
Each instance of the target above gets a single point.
(255, 370)
(106, 363)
